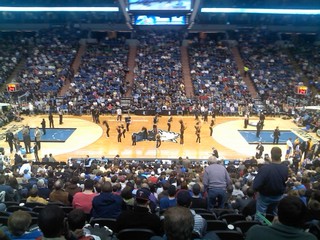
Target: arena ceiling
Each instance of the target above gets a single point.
(126, 15)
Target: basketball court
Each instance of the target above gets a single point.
(80, 136)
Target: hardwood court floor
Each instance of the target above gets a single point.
(90, 138)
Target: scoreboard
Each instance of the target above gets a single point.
(301, 90)
(13, 87)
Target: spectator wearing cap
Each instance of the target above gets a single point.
(170, 200)
(83, 200)
(26, 165)
(184, 199)
(292, 215)
(140, 216)
(301, 190)
(152, 178)
(197, 200)
(26, 174)
(106, 204)
(216, 179)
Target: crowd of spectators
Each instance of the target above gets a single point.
(158, 80)
(216, 78)
(309, 119)
(272, 69)
(307, 55)
(218, 84)
(101, 79)
(115, 188)
(12, 52)
(49, 61)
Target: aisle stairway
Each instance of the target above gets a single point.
(130, 73)
(247, 80)
(186, 72)
(74, 68)
(77, 60)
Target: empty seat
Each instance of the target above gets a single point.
(33, 204)
(11, 203)
(16, 208)
(232, 217)
(208, 216)
(201, 210)
(213, 225)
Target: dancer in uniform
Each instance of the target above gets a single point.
(211, 127)
(158, 140)
(107, 127)
(169, 123)
(119, 131)
(123, 130)
(182, 129)
(198, 130)
(127, 119)
(134, 139)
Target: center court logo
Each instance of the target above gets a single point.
(165, 136)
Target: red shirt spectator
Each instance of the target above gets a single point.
(83, 200)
